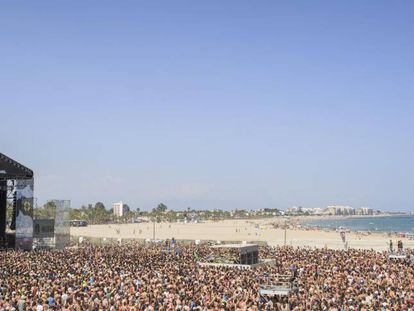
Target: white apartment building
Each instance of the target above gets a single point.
(120, 209)
(365, 211)
(340, 210)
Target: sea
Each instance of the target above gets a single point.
(400, 223)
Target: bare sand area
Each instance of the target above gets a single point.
(238, 230)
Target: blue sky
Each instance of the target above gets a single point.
(211, 104)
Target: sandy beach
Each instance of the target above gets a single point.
(238, 230)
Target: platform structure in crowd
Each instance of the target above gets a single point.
(235, 255)
(277, 285)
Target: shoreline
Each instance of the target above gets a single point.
(312, 223)
(342, 217)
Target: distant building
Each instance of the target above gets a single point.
(340, 210)
(365, 211)
(314, 211)
(120, 209)
(294, 210)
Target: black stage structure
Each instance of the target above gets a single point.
(16, 182)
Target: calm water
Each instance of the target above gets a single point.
(391, 223)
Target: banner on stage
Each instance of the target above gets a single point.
(24, 214)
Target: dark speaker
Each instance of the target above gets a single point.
(13, 221)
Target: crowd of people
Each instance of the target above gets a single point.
(143, 277)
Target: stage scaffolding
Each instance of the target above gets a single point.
(62, 223)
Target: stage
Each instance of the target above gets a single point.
(16, 184)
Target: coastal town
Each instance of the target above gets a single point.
(121, 211)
